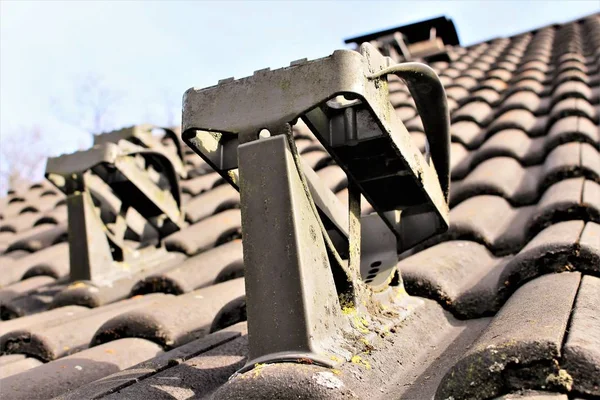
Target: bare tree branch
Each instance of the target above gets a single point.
(172, 106)
(92, 106)
(22, 158)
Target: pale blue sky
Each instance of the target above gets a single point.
(152, 51)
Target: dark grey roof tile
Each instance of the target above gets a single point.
(460, 65)
(574, 128)
(526, 334)
(206, 204)
(590, 161)
(519, 119)
(10, 358)
(535, 65)
(317, 159)
(23, 288)
(97, 294)
(234, 312)
(51, 317)
(57, 215)
(503, 176)
(306, 145)
(571, 64)
(198, 377)
(6, 238)
(567, 161)
(415, 124)
(591, 198)
(590, 242)
(571, 89)
(200, 184)
(555, 249)
(397, 97)
(571, 75)
(467, 133)
(523, 99)
(595, 95)
(459, 156)
(451, 72)
(531, 73)
(19, 223)
(333, 177)
(570, 56)
(34, 302)
(527, 84)
(496, 84)
(48, 341)
(500, 73)
(512, 143)
(451, 273)
(14, 207)
(490, 96)
(429, 334)
(185, 199)
(405, 112)
(16, 367)
(137, 375)
(175, 322)
(457, 93)
(206, 234)
(287, 381)
(475, 72)
(213, 266)
(563, 201)
(477, 111)
(419, 139)
(491, 220)
(466, 81)
(66, 374)
(573, 106)
(9, 258)
(582, 347)
(52, 261)
(533, 395)
(39, 237)
(507, 65)
(446, 80)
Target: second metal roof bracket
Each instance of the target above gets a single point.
(117, 195)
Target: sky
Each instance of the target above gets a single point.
(146, 54)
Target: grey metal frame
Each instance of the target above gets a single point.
(310, 266)
(135, 188)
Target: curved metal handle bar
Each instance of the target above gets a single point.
(430, 98)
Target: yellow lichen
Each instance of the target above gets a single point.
(258, 368)
(359, 361)
(335, 359)
(562, 379)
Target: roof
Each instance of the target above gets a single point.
(505, 304)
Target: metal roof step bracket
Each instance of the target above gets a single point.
(320, 279)
(142, 135)
(425, 40)
(122, 200)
